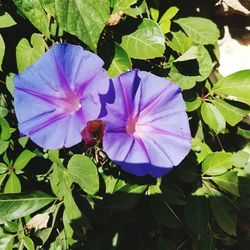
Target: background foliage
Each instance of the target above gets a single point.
(70, 200)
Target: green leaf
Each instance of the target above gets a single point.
(6, 21)
(180, 42)
(217, 163)
(6, 131)
(84, 172)
(27, 54)
(165, 21)
(190, 54)
(137, 10)
(121, 62)
(2, 178)
(173, 194)
(201, 149)
(194, 104)
(13, 185)
(232, 114)
(11, 226)
(169, 14)
(126, 197)
(212, 117)
(2, 50)
(28, 243)
(3, 146)
(205, 68)
(228, 181)
(240, 159)
(15, 206)
(3, 168)
(23, 159)
(224, 211)
(123, 5)
(34, 11)
(164, 244)
(164, 214)
(235, 87)
(6, 241)
(10, 83)
(196, 212)
(84, 19)
(154, 14)
(146, 42)
(201, 30)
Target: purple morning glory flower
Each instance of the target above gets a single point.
(146, 127)
(56, 96)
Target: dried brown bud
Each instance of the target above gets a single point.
(114, 19)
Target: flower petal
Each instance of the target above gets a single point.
(56, 96)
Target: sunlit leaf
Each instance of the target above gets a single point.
(212, 117)
(84, 172)
(217, 163)
(146, 42)
(121, 62)
(15, 206)
(201, 30)
(235, 86)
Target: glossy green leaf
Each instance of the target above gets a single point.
(27, 54)
(6, 241)
(213, 117)
(23, 159)
(201, 149)
(201, 30)
(28, 243)
(235, 86)
(13, 184)
(15, 206)
(2, 50)
(232, 114)
(120, 63)
(34, 11)
(84, 172)
(224, 211)
(146, 42)
(196, 212)
(6, 21)
(84, 19)
(217, 163)
(194, 104)
(228, 181)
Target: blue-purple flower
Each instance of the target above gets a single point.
(146, 127)
(56, 97)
